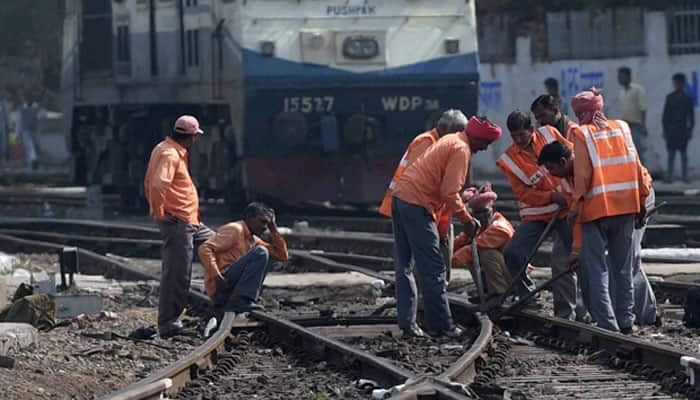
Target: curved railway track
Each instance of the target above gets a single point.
(576, 356)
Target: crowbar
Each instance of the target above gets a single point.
(547, 284)
(533, 252)
(477, 269)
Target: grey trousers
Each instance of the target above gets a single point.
(416, 235)
(644, 298)
(614, 234)
(521, 244)
(244, 277)
(179, 239)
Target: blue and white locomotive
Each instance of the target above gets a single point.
(300, 99)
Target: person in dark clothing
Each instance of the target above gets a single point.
(678, 122)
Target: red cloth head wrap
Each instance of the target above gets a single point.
(486, 130)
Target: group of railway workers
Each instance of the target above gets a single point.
(584, 180)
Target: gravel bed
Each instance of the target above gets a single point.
(322, 301)
(424, 355)
(261, 369)
(83, 358)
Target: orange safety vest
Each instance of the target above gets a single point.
(535, 176)
(615, 182)
(494, 236)
(432, 135)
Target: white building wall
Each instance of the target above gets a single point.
(506, 87)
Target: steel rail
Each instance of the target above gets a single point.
(173, 377)
(167, 379)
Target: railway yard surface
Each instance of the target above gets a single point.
(328, 329)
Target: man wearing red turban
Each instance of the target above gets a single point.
(432, 183)
(495, 232)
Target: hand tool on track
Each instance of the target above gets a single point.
(477, 267)
(524, 299)
(533, 252)
(448, 251)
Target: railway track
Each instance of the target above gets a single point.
(568, 349)
(205, 358)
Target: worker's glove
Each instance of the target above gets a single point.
(559, 199)
(573, 261)
(640, 219)
(472, 227)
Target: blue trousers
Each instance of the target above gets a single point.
(244, 277)
(614, 234)
(416, 235)
(521, 244)
(644, 298)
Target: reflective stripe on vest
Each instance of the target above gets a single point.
(529, 211)
(597, 161)
(546, 134)
(563, 186)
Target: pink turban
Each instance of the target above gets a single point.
(478, 200)
(588, 105)
(486, 130)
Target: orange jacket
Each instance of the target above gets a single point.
(532, 184)
(168, 186)
(231, 242)
(494, 236)
(415, 149)
(436, 178)
(609, 179)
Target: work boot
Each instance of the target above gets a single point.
(412, 331)
(241, 304)
(453, 332)
(629, 330)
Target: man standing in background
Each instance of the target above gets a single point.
(552, 87)
(631, 105)
(678, 122)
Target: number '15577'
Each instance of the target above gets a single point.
(308, 104)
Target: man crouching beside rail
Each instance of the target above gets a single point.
(236, 260)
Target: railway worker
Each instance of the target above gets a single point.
(495, 232)
(450, 121)
(546, 110)
(432, 182)
(609, 194)
(559, 160)
(236, 260)
(174, 204)
(539, 196)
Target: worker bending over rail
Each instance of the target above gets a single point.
(495, 232)
(540, 196)
(609, 194)
(431, 183)
(174, 204)
(236, 260)
(559, 160)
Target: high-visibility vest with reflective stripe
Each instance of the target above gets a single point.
(432, 135)
(615, 182)
(535, 176)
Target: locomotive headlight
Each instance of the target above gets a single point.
(267, 48)
(451, 46)
(360, 47)
(316, 41)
